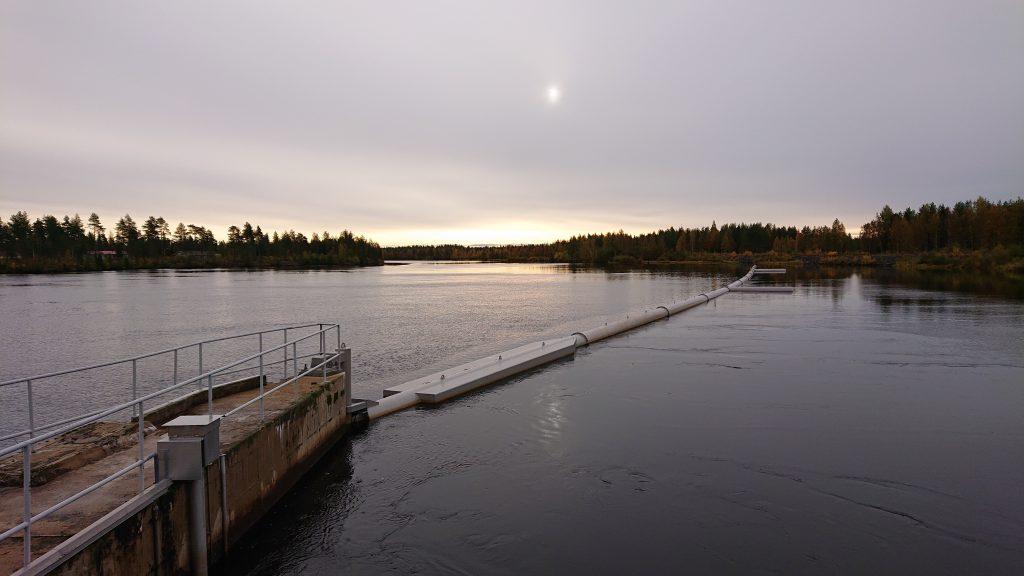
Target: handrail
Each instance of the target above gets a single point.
(306, 372)
(137, 403)
(45, 426)
(165, 390)
(95, 486)
(265, 364)
(125, 405)
(152, 354)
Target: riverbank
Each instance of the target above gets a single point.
(996, 263)
(999, 261)
(207, 262)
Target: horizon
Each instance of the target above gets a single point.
(109, 222)
(221, 234)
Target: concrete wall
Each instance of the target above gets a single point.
(152, 538)
(265, 465)
(151, 541)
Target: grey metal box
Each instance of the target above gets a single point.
(181, 458)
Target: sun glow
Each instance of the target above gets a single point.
(489, 234)
(554, 94)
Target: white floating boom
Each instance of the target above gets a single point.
(441, 386)
(785, 289)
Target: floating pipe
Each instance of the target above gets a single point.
(715, 293)
(763, 289)
(393, 403)
(441, 386)
(632, 321)
(770, 271)
(677, 307)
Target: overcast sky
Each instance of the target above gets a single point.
(428, 121)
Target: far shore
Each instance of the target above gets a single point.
(991, 262)
(995, 262)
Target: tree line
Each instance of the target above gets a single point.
(970, 226)
(52, 244)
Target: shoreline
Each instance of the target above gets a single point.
(995, 262)
(1000, 263)
(208, 266)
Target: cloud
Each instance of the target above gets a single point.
(408, 121)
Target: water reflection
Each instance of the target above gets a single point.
(550, 416)
(971, 283)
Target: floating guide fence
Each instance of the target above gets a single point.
(446, 384)
(286, 353)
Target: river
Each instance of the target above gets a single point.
(866, 423)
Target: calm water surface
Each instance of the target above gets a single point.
(400, 321)
(861, 425)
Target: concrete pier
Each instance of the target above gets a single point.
(118, 531)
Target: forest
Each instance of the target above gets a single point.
(49, 244)
(990, 233)
(973, 234)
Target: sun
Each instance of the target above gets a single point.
(554, 94)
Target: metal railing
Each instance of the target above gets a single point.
(38, 434)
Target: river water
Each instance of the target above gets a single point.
(866, 423)
(401, 321)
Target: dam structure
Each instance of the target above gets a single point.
(165, 474)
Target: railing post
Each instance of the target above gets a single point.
(295, 359)
(209, 394)
(135, 391)
(337, 331)
(142, 450)
(200, 359)
(31, 411)
(261, 377)
(285, 348)
(26, 496)
(321, 338)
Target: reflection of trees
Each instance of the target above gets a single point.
(925, 280)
